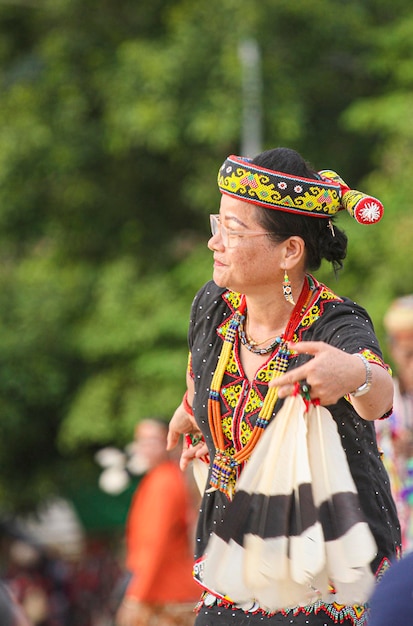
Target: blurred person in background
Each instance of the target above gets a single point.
(29, 584)
(159, 557)
(11, 613)
(391, 603)
(395, 435)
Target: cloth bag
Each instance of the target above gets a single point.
(295, 525)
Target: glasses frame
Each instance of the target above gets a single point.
(226, 233)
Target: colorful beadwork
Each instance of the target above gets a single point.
(252, 345)
(224, 464)
(287, 291)
(323, 198)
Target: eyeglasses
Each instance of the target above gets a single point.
(231, 238)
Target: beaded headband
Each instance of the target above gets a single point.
(242, 179)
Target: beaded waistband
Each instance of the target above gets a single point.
(338, 613)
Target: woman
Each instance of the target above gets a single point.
(264, 314)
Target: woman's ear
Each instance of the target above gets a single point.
(294, 251)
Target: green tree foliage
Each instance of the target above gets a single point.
(114, 120)
(388, 116)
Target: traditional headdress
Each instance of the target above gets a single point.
(240, 178)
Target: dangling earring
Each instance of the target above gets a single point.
(287, 291)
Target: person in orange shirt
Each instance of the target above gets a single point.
(161, 589)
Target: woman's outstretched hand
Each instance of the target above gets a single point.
(332, 373)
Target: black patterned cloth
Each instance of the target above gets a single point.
(334, 320)
(221, 616)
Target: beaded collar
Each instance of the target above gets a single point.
(224, 464)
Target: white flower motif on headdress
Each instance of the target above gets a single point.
(282, 185)
(370, 212)
(298, 189)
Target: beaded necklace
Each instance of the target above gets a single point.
(252, 346)
(225, 465)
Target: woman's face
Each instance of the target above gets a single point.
(401, 347)
(244, 260)
(150, 440)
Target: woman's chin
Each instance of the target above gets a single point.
(218, 278)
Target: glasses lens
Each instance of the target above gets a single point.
(213, 219)
(218, 228)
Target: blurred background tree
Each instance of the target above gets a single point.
(115, 117)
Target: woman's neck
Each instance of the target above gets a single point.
(268, 314)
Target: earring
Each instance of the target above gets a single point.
(287, 291)
(331, 227)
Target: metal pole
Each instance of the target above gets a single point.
(251, 131)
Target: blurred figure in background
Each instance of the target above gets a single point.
(11, 614)
(30, 583)
(159, 557)
(395, 434)
(391, 603)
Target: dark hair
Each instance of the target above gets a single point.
(320, 243)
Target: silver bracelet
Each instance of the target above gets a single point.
(365, 387)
